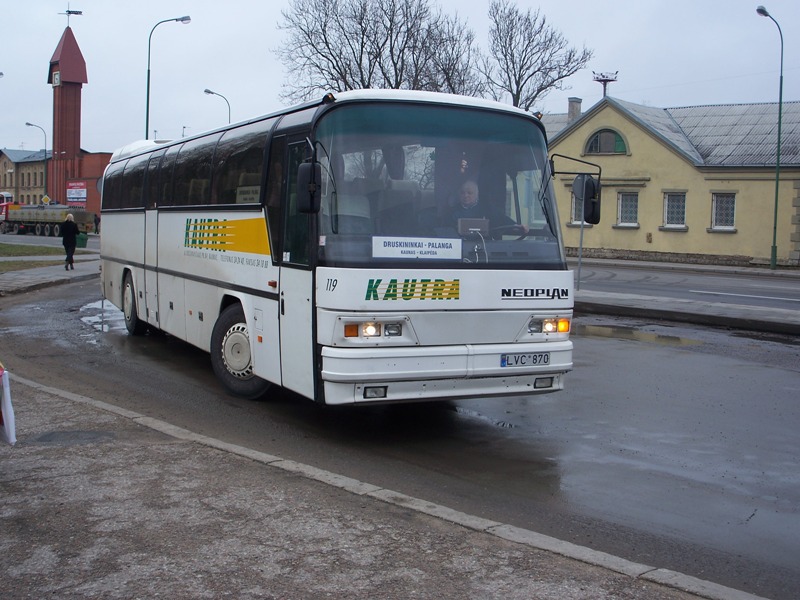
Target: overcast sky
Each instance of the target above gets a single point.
(667, 53)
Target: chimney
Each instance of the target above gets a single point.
(574, 110)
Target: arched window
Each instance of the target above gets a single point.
(606, 141)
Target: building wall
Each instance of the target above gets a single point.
(88, 167)
(92, 167)
(25, 181)
(652, 168)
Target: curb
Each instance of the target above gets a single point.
(691, 318)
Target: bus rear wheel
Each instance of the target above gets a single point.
(231, 358)
(133, 324)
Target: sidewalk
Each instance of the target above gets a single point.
(87, 266)
(102, 502)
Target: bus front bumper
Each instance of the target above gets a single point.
(386, 375)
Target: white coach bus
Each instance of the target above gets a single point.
(326, 249)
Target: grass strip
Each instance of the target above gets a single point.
(10, 250)
(6, 266)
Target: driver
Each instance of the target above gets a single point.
(469, 207)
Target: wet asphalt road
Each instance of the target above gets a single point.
(673, 446)
(724, 285)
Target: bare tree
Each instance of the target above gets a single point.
(337, 45)
(455, 60)
(527, 58)
(327, 48)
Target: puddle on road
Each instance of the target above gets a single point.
(631, 333)
(477, 415)
(103, 316)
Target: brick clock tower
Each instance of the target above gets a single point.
(73, 172)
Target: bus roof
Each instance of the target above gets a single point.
(361, 95)
(135, 148)
(420, 96)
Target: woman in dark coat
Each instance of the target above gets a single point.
(69, 233)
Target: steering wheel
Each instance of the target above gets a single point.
(509, 229)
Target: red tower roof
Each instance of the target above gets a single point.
(69, 59)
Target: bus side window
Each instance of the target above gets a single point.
(193, 171)
(275, 175)
(133, 182)
(152, 199)
(238, 164)
(112, 186)
(165, 172)
(295, 248)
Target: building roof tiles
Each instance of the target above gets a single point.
(722, 135)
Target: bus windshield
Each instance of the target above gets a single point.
(435, 185)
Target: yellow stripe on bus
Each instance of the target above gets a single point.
(240, 235)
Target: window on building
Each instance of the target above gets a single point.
(576, 212)
(606, 141)
(628, 208)
(675, 210)
(723, 211)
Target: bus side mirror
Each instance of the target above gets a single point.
(587, 190)
(309, 191)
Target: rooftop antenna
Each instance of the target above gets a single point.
(69, 13)
(605, 79)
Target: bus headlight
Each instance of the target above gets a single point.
(556, 325)
(373, 329)
(393, 329)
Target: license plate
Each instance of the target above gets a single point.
(530, 359)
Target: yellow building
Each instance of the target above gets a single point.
(694, 184)
(22, 175)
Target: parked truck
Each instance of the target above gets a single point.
(42, 219)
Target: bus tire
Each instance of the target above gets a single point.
(133, 324)
(231, 358)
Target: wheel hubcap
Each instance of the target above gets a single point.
(236, 352)
(127, 303)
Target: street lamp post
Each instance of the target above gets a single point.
(208, 91)
(185, 20)
(45, 153)
(773, 260)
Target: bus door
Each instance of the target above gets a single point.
(151, 240)
(296, 308)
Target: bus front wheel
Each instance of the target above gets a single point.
(231, 357)
(133, 324)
